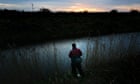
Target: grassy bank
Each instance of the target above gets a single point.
(125, 71)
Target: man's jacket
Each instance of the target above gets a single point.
(75, 55)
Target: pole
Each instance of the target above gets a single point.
(32, 7)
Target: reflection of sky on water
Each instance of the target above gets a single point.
(53, 56)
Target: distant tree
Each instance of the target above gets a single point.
(45, 10)
(85, 11)
(114, 11)
(134, 11)
(5, 9)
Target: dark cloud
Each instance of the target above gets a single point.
(123, 2)
(107, 2)
(21, 1)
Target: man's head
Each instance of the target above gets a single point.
(73, 45)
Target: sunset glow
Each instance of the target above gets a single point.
(78, 7)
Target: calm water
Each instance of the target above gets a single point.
(53, 56)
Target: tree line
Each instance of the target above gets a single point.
(46, 10)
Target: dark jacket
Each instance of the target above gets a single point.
(75, 55)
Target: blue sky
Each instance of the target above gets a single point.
(71, 5)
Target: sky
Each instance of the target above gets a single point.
(71, 5)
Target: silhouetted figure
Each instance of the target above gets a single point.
(75, 55)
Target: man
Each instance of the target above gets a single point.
(75, 56)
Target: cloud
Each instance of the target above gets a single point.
(128, 7)
(123, 2)
(7, 5)
(14, 6)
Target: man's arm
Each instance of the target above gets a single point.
(70, 54)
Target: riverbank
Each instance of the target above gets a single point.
(21, 28)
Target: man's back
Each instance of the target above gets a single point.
(75, 55)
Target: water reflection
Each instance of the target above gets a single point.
(53, 56)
